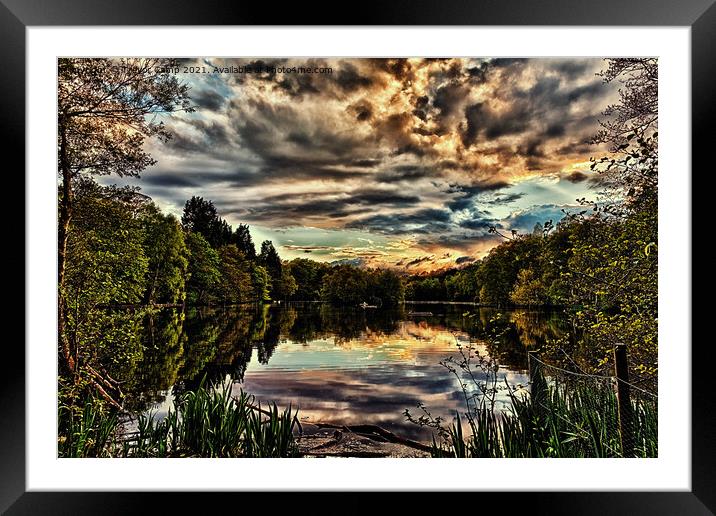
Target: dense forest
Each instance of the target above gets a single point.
(120, 238)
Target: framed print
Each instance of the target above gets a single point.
(443, 240)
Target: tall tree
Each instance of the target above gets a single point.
(166, 250)
(203, 269)
(261, 283)
(107, 108)
(271, 261)
(199, 216)
(236, 284)
(269, 257)
(242, 239)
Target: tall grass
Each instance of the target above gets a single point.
(574, 421)
(208, 422)
(575, 418)
(85, 432)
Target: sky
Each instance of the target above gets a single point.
(400, 163)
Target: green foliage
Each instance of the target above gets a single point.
(202, 270)
(236, 279)
(106, 259)
(309, 278)
(528, 290)
(269, 258)
(613, 281)
(499, 270)
(282, 284)
(344, 285)
(425, 289)
(385, 287)
(167, 254)
(207, 422)
(462, 285)
(261, 283)
(350, 286)
(286, 286)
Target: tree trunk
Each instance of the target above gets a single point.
(67, 361)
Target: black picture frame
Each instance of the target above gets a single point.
(17, 15)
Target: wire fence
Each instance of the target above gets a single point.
(567, 375)
(618, 413)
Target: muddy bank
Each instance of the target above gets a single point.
(333, 442)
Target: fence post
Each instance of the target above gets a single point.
(626, 421)
(531, 364)
(538, 386)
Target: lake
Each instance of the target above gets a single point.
(336, 365)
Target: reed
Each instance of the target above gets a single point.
(85, 433)
(207, 422)
(575, 421)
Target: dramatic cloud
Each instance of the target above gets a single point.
(422, 154)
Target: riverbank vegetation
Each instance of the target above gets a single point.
(575, 421)
(207, 422)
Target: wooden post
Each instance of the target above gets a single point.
(537, 383)
(626, 421)
(531, 364)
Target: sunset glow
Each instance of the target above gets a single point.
(385, 161)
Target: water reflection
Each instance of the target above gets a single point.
(336, 365)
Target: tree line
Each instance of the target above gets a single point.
(121, 239)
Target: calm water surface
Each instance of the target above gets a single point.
(335, 365)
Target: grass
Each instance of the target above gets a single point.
(85, 432)
(570, 417)
(574, 421)
(208, 422)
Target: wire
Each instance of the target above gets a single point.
(593, 376)
(571, 372)
(638, 388)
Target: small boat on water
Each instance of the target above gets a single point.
(419, 313)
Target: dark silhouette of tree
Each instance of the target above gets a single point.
(269, 258)
(242, 239)
(200, 216)
(271, 261)
(637, 109)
